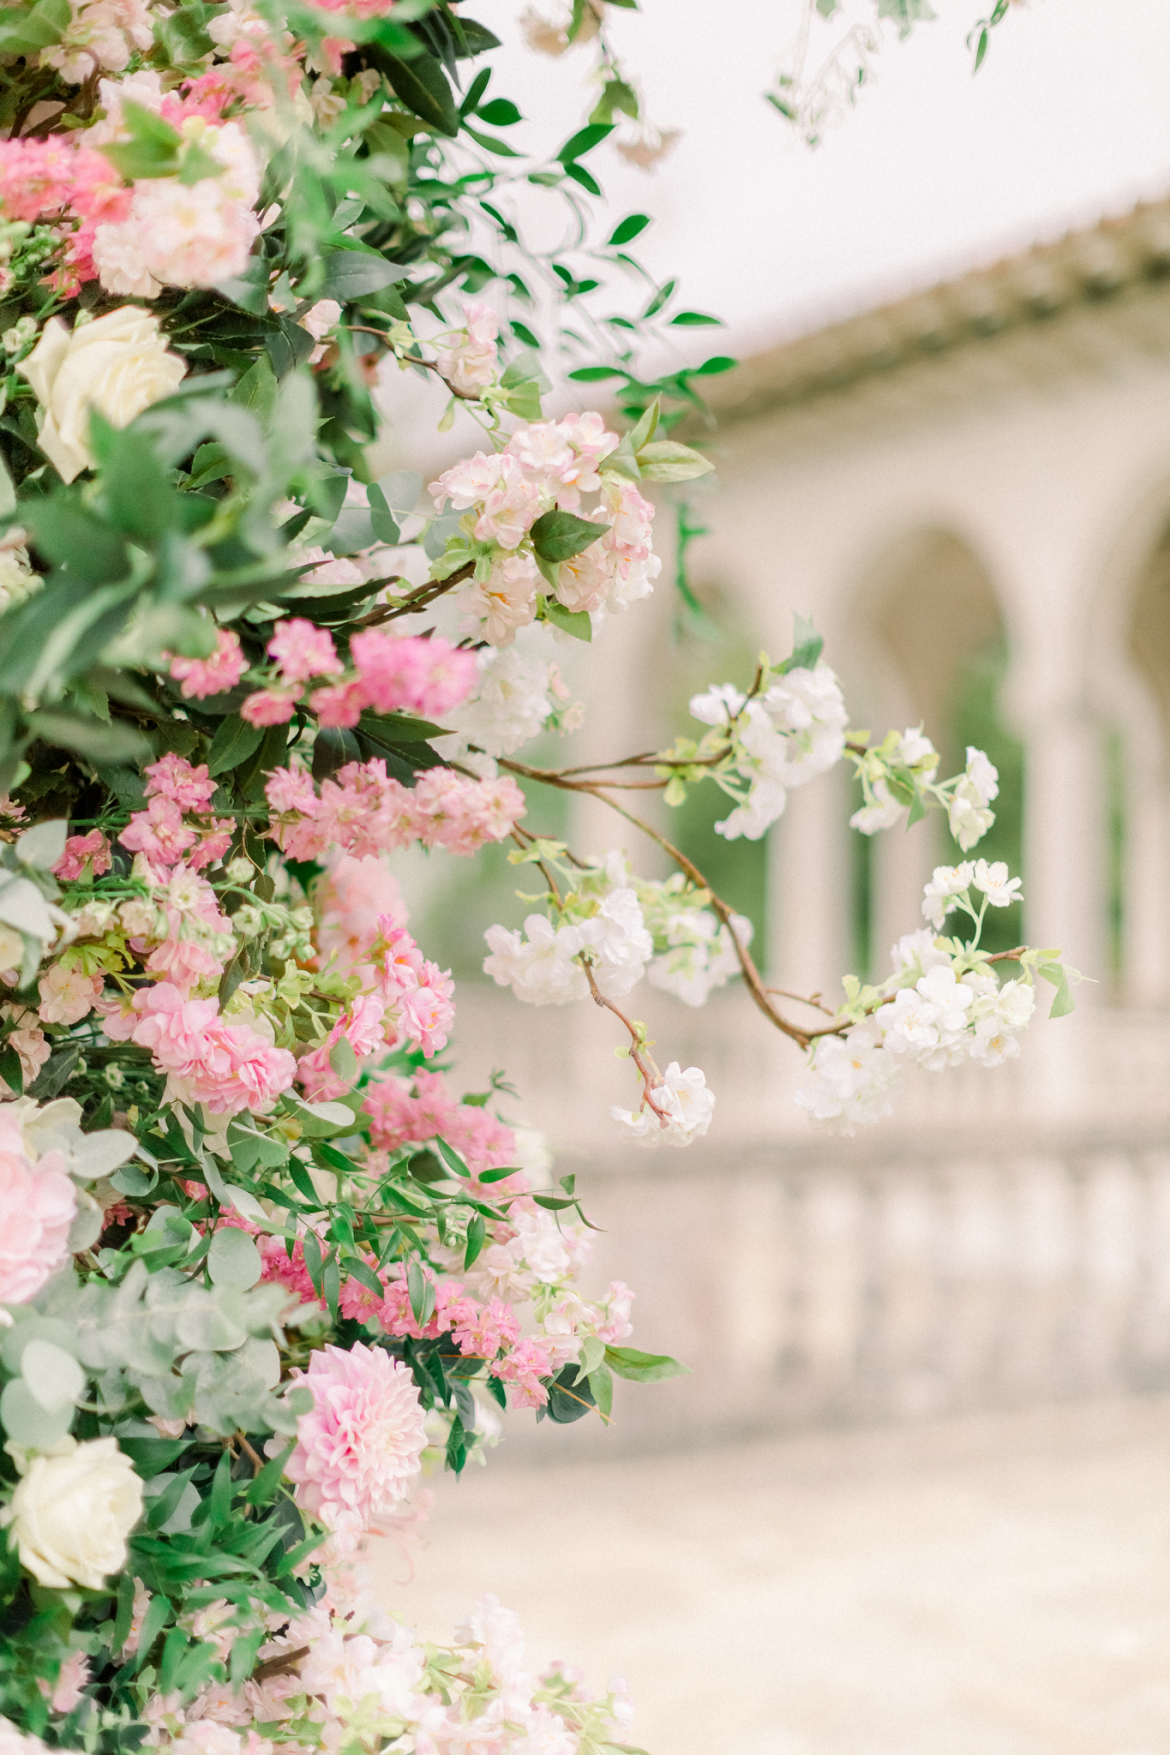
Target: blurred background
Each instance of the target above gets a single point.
(915, 1494)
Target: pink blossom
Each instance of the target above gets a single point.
(38, 1203)
(486, 1328)
(66, 1692)
(36, 176)
(184, 961)
(356, 903)
(82, 851)
(159, 831)
(617, 1326)
(269, 706)
(358, 1450)
(200, 677)
(213, 844)
(361, 1027)
(451, 1308)
(290, 789)
(428, 677)
(229, 1067)
(400, 962)
(460, 815)
(523, 1368)
(67, 995)
(339, 706)
(302, 650)
(426, 1013)
(287, 1270)
(173, 777)
(397, 1117)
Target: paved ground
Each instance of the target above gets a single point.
(993, 1586)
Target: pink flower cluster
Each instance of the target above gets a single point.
(90, 851)
(38, 1202)
(352, 901)
(160, 832)
(358, 1449)
(397, 1116)
(412, 1001)
(47, 177)
(228, 1067)
(363, 811)
(415, 675)
(200, 677)
(551, 464)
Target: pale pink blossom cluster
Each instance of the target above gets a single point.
(543, 467)
(26, 1037)
(161, 832)
(200, 677)
(352, 901)
(68, 994)
(398, 1115)
(468, 360)
(363, 811)
(38, 1203)
(414, 675)
(84, 855)
(229, 1067)
(358, 1449)
(185, 234)
(102, 35)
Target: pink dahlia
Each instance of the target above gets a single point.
(37, 1207)
(358, 1449)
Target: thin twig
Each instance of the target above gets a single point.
(650, 1075)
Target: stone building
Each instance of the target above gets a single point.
(976, 475)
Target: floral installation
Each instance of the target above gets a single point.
(264, 1265)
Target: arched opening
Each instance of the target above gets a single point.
(933, 650)
(1138, 792)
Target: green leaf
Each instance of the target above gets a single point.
(595, 374)
(807, 646)
(27, 1423)
(68, 535)
(667, 460)
(692, 318)
(23, 31)
(585, 139)
(350, 274)
(1062, 1001)
(234, 741)
(256, 391)
(643, 1367)
(233, 1259)
(422, 86)
(343, 1060)
(53, 1376)
(574, 621)
(499, 112)
(629, 228)
(570, 1396)
(476, 1237)
(717, 363)
(116, 742)
(153, 148)
(558, 536)
(422, 1293)
(601, 1383)
(490, 143)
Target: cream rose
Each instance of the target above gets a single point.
(71, 1514)
(118, 364)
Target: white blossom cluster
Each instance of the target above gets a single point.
(942, 1006)
(792, 731)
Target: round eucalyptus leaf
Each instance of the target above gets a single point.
(27, 1423)
(233, 1259)
(205, 1327)
(53, 1376)
(35, 1328)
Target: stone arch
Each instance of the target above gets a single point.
(1128, 669)
(927, 613)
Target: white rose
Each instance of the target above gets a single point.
(118, 364)
(71, 1514)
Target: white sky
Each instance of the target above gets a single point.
(933, 171)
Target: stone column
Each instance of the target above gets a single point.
(809, 889)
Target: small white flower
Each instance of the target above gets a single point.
(688, 1105)
(915, 750)
(981, 776)
(721, 703)
(883, 813)
(947, 882)
(849, 1080)
(540, 970)
(995, 884)
(916, 950)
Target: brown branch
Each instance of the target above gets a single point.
(813, 999)
(256, 1461)
(650, 1075)
(420, 598)
(277, 1666)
